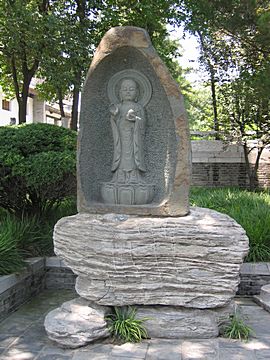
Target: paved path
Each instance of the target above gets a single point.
(22, 337)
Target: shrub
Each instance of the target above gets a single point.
(37, 167)
(124, 326)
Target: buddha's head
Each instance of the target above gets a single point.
(128, 90)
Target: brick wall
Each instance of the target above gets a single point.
(15, 290)
(217, 165)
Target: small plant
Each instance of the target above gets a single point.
(124, 326)
(237, 329)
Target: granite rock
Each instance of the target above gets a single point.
(171, 322)
(76, 323)
(128, 51)
(190, 261)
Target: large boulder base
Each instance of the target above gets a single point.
(174, 322)
(76, 323)
(190, 261)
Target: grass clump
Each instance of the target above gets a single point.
(124, 326)
(250, 209)
(237, 329)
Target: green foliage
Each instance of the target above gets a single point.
(28, 33)
(29, 236)
(249, 209)
(37, 167)
(237, 329)
(10, 258)
(198, 104)
(124, 326)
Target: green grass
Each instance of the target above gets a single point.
(124, 326)
(236, 328)
(30, 236)
(250, 209)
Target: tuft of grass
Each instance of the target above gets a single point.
(124, 326)
(250, 209)
(237, 329)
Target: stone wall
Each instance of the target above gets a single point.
(58, 275)
(217, 165)
(15, 290)
(253, 277)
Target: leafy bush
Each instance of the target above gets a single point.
(124, 326)
(250, 209)
(37, 167)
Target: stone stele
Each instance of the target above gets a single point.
(190, 261)
(76, 323)
(133, 148)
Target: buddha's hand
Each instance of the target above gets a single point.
(131, 115)
(114, 110)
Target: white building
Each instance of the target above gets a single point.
(37, 111)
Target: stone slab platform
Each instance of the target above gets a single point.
(22, 337)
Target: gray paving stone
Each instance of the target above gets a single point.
(126, 357)
(13, 328)
(54, 357)
(236, 354)
(262, 354)
(18, 354)
(164, 350)
(21, 341)
(6, 340)
(228, 343)
(54, 349)
(254, 312)
(29, 345)
(200, 349)
(102, 352)
(130, 350)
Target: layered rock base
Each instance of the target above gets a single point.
(190, 261)
(181, 272)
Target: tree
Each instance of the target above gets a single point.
(27, 29)
(245, 112)
(83, 24)
(235, 50)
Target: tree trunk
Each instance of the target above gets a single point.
(252, 171)
(207, 55)
(214, 102)
(75, 103)
(61, 104)
(22, 102)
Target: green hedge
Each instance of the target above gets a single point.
(37, 167)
